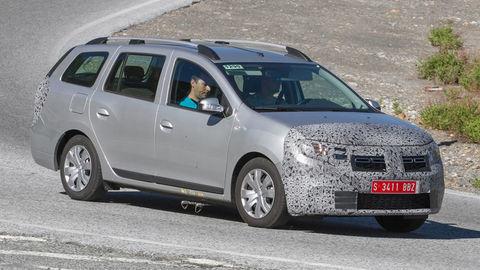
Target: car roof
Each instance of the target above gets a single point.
(218, 51)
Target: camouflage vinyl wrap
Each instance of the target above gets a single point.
(40, 98)
(311, 179)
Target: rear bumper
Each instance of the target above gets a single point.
(42, 146)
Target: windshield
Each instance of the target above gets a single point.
(291, 87)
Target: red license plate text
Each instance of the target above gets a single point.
(395, 187)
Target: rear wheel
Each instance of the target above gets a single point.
(260, 196)
(401, 223)
(80, 170)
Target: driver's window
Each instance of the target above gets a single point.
(190, 84)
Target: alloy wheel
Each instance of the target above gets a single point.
(77, 168)
(257, 193)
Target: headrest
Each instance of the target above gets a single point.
(252, 84)
(134, 73)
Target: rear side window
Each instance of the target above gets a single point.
(84, 68)
(136, 75)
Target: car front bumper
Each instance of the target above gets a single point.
(328, 185)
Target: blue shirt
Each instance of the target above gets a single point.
(189, 103)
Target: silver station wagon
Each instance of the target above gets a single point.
(257, 125)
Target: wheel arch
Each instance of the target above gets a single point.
(62, 142)
(240, 163)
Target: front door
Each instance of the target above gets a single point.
(191, 145)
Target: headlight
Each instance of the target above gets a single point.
(313, 149)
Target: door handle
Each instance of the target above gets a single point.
(103, 112)
(166, 124)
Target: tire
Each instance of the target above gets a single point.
(81, 182)
(401, 223)
(259, 178)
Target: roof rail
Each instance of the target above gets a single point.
(100, 40)
(297, 53)
(208, 52)
(202, 49)
(135, 40)
(257, 45)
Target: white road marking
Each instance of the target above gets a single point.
(77, 257)
(48, 267)
(21, 238)
(203, 249)
(462, 194)
(208, 262)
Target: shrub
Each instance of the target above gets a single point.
(472, 130)
(397, 109)
(449, 66)
(437, 116)
(476, 181)
(471, 77)
(454, 116)
(442, 66)
(452, 93)
(464, 113)
(444, 38)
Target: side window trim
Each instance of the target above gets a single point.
(126, 56)
(63, 78)
(50, 72)
(112, 73)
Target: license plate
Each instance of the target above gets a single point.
(407, 187)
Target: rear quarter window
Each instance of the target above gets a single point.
(85, 68)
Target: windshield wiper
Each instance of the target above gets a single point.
(335, 110)
(278, 109)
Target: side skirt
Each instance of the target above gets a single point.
(167, 181)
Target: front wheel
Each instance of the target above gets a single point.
(260, 196)
(401, 223)
(80, 170)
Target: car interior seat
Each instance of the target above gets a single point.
(251, 86)
(133, 85)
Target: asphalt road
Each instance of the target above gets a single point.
(36, 33)
(41, 228)
(153, 231)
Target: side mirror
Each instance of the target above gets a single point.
(210, 105)
(374, 104)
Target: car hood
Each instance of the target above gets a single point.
(352, 128)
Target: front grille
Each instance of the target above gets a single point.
(368, 164)
(393, 201)
(415, 164)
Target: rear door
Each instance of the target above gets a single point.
(123, 110)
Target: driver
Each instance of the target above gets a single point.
(199, 89)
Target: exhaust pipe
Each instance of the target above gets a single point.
(198, 206)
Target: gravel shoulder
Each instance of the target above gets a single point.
(372, 45)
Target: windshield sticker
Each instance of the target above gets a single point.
(231, 67)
